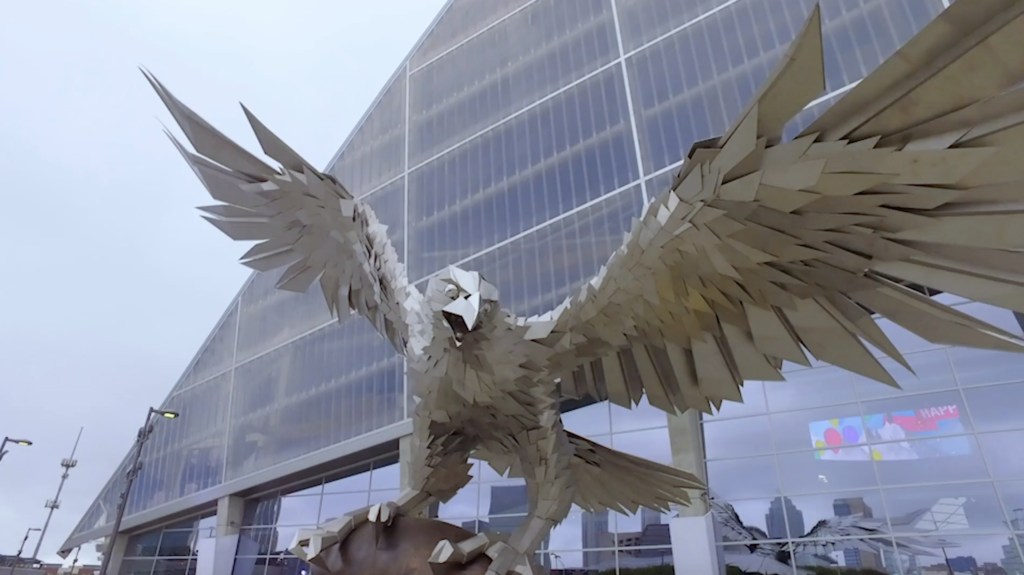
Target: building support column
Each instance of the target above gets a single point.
(116, 553)
(217, 550)
(694, 548)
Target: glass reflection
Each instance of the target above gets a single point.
(932, 372)
(930, 461)
(734, 479)
(996, 408)
(951, 507)
(527, 56)
(530, 177)
(589, 421)
(737, 437)
(808, 472)
(1001, 451)
(652, 444)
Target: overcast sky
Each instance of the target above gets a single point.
(111, 281)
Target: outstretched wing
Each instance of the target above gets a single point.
(859, 532)
(733, 529)
(763, 249)
(303, 219)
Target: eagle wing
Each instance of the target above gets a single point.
(304, 220)
(763, 249)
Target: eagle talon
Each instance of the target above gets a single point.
(506, 560)
(382, 515)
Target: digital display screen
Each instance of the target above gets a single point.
(892, 435)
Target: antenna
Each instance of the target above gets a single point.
(54, 504)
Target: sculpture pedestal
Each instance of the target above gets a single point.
(404, 549)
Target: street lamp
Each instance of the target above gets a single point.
(133, 471)
(14, 565)
(22, 442)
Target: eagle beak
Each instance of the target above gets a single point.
(462, 316)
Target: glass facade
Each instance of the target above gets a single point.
(937, 461)
(519, 139)
(270, 521)
(168, 550)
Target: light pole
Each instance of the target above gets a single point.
(22, 442)
(75, 560)
(54, 504)
(14, 565)
(133, 471)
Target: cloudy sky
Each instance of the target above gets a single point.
(112, 280)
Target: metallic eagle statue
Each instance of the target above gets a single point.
(762, 251)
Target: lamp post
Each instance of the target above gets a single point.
(22, 442)
(133, 471)
(14, 565)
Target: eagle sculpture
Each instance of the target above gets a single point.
(763, 250)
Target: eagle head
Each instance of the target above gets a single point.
(465, 301)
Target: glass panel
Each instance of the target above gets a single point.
(219, 352)
(299, 510)
(951, 552)
(335, 505)
(388, 204)
(1011, 493)
(641, 416)
(460, 21)
(385, 477)
(805, 511)
(355, 482)
(647, 559)
(811, 388)
(982, 367)
(537, 272)
(463, 505)
(753, 403)
(652, 444)
(386, 496)
(1002, 453)
(756, 515)
(693, 84)
(297, 399)
(136, 567)
(375, 153)
(524, 58)
(914, 417)
(929, 460)
(932, 372)
(250, 565)
(186, 454)
(818, 428)
(737, 437)
(567, 151)
(588, 421)
(645, 20)
(954, 507)
(996, 408)
(507, 497)
(733, 479)
(171, 567)
(287, 565)
(828, 470)
(176, 544)
(143, 544)
(271, 316)
(569, 533)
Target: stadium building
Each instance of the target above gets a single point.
(519, 138)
